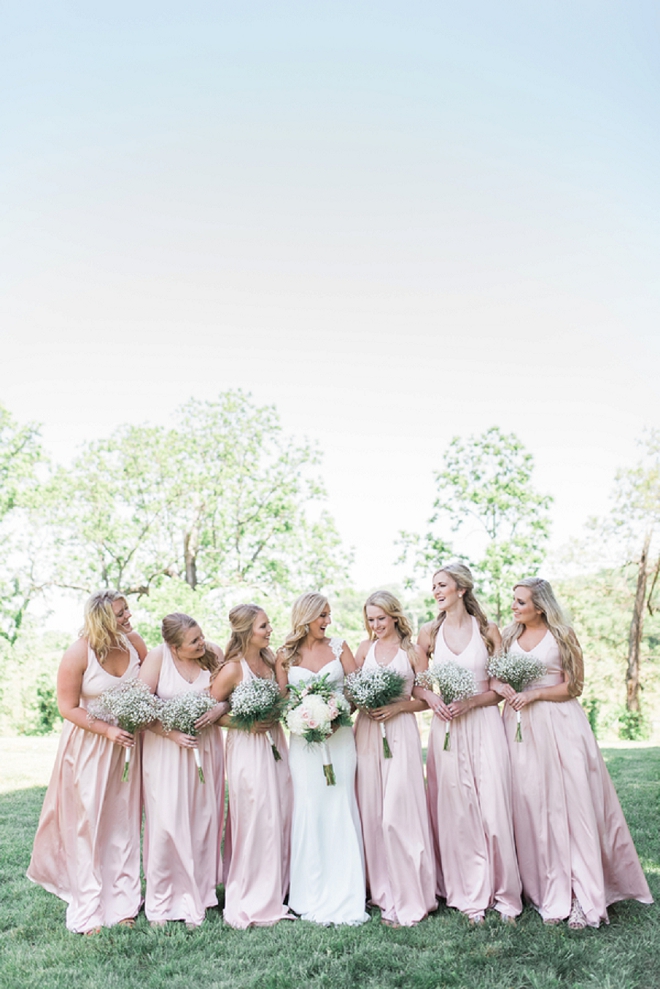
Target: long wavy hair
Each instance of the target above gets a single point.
(391, 605)
(306, 609)
(241, 620)
(100, 626)
(544, 599)
(173, 629)
(462, 577)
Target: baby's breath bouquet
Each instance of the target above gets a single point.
(182, 711)
(257, 700)
(373, 687)
(519, 670)
(130, 706)
(314, 710)
(454, 683)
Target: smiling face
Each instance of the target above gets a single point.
(380, 623)
(193, 644)
(524, 610)
(261, 631)
(123, 615)
(318, 626)
(446, 591)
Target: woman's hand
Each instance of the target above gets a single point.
(457, 708)
(120, 737)
(384, 713)
(261, 727)
(505, 690)
(183, 740)
(438, 707)
(519, 701)
(212, 716)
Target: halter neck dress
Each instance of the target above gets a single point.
(571, 834)
(259, 823)
(183, 817)
(469, 793)
(87, 846)
(327, 856)
(392, 799)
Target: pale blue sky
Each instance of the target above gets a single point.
(398, 221)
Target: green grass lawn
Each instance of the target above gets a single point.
(36, 951)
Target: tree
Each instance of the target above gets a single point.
(635, 520)
(485, 492)
(223, 498)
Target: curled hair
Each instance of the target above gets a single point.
(173, 629)
(306, 609)
(241, 620)
(544, 599)
(100, 626)
(391, 605)
(462, 576)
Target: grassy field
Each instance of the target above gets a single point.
(36, 951)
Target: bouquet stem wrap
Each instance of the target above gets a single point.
(198, 763)
(127, 766)
(276, 753)
(518, 728)
(328, 769)
(387, 751)
(447, 744)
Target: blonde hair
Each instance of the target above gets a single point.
(173, 629)
(100, 626)
(242, 619)
(306, 609)
(462, 576)
(391, 605)
(544, 599)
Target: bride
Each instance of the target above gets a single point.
(327, 857)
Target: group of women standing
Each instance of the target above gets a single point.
(497, 820)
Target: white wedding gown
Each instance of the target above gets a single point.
(327, 856)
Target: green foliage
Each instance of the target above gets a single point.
(486, 481)
(443, 951)
(632, 726)
(591, 707)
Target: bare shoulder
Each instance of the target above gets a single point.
(138, 644)
(362, 651)
(494, 632)
(75, 657)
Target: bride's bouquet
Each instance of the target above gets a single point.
(375, 687)
(454, 683)
(519, 670)
(257, 700)
(181, 712)
(130, 706)
(314, 711)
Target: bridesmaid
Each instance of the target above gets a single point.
(183, 817)
(259, 786)
(87, 846)
(575, 852)
(391, 793)
(469, 785)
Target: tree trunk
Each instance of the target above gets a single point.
(636, 629)
(190, 547)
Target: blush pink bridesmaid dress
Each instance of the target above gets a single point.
(392, 800)
(183, 816)
(571, 834)
(469, 793)
(87, 846)
(260, 799)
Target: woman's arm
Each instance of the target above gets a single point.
(218, 712)
(429, 697)
(281, 674)
(414, 704)
(69, 686)
(361, 653)
(557, 694)
(347, 660)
